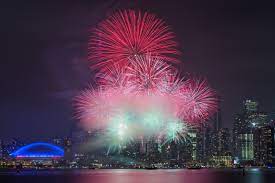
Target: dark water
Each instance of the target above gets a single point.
(141, 176)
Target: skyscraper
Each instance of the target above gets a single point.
(193, 139)
(223, 141)
(243, 147)
(210, 136)
(250, 106)
(217, 120)
(252, 135)
(263, 145)
(246, 147)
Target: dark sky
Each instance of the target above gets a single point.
(44, 55)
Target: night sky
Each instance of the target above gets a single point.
(44, 56)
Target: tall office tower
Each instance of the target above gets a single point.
(251, 135)
(217, 120)
(207, 143)
(243, 140)
(211, 136)
(257, 119)
(214, 142)
(246, 147)
(263, 145)
(223, 142)
(262, 135)
(243, 137)
(193, 139)
(200, 144)
(250, 106)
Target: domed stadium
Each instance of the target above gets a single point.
(39, 150)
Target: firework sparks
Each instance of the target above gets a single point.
(146, 73)
(128, 33)
(94, 107)
(198, 101)
(175, 131)
(139, 93)
(119, 131)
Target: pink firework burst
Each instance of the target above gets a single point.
(197, 100)
(114, 77)
(128, 33)
(146, 73)
(94, 107)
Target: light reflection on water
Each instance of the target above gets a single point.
(140, 176)
(150, 176)
(256, 176)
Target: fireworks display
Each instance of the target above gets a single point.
(139, 94)
(128, 33)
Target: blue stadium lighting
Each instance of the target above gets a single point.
(52, 151)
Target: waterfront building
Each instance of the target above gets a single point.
(38, 154)
(263, 145)
(223, 142)
(192, 135)
(250, 106)
(221, 161)
(252, 135)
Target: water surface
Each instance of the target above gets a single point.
(140, 176)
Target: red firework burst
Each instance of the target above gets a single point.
(128, 33)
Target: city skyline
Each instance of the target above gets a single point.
(251, 143)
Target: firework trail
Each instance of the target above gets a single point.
(128, 33)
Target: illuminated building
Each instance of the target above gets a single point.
(223, 142)
(263, 145)
(250, 106)
(211, 137)
(38, 154)
(251, 136)
(221, 161)
(39, 150)
(221, 155)
(213, 144)
(256, 120)
(246, 147)
(242, 139)
(193, 139)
